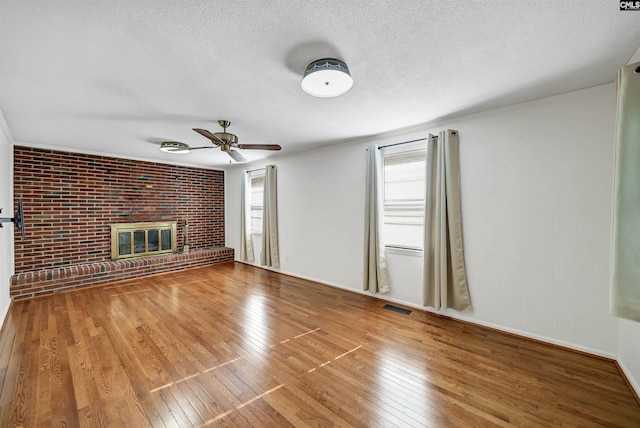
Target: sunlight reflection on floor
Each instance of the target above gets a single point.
(240, 406)
(194, 375)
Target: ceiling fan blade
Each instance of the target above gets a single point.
(237, 156)
(217, 141)
(260, 146)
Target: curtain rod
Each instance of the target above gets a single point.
(404, 142)
(259, 169)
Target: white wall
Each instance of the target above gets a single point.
(6, 203)
(536, 198)
(316, 240)
(537, 181)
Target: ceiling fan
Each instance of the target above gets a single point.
(226, 141)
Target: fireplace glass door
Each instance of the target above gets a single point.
(124, 243)
(142, 239)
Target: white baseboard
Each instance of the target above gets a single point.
(461, 317)
(635, 383)
(452, 314)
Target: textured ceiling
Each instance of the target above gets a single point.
(119, 77)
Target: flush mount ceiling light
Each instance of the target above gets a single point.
(327, 78)
(175, 147)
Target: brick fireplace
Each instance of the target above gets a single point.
(71, 199)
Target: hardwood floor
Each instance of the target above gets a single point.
(233, 345)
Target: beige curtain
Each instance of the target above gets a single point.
(445, 278)
(246, 243)
(376, 278)
(625, 257)
(270, 255)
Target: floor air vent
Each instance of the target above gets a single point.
(397, 309)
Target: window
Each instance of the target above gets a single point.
(404, 192)
(257, 196)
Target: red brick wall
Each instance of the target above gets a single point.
(70, 199)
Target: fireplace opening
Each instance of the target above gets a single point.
(130, 240)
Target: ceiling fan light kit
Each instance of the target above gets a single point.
(327, 78)
(175, 147)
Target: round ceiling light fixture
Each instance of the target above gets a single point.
(327, 78)
(175, 147)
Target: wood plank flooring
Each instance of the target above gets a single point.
(237, 346)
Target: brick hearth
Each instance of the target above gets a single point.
(47, 281)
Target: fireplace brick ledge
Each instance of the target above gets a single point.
(35, 283)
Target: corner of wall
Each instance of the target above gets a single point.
(629, 352)
(6, 203)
